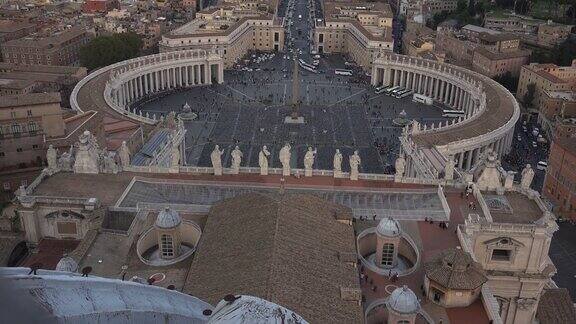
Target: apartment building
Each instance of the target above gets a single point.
(486, 51)
(421, 42)
(499, 54)
(533, 31)
(12, 29)
(560, 180)
(25, 122)
(232, 31)
(61, 48)
(554, 91)
(358, 29)
(23, 79)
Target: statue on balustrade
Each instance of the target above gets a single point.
(337, 164)
(216, 158)
(124, 154)
(88, 154)
(354, 165)
(108, 162)
(52, 158)
(284, 156)
(263, 160)
(527, 177)
(449, 168)
(66, 160)
(400, 166)
(236, 160)
(309, 161)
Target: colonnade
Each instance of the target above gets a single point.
(159, 80)
(457, 89)
(436, 87)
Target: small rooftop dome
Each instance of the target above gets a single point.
(168, 218)
(403, 300)
(67, 264)
(388, 227)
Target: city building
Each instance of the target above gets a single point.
(421, 42)
(553, 91)
(532, 31)
(486, 51)
(22, 79)
(26, 121)
(13, 29)
(358, 29)
(100, 6)
(231, 31)
(499, 54)
(560, 182)
(61, 48)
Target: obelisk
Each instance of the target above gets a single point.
(295, 117)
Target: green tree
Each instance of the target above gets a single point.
(529, 95)
(106, 50)
(508, 81)
(565, 52)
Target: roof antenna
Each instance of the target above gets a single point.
(86, 271)
(34, 267)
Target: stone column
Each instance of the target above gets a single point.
(29, 219)
(208, 76)
(468, 160)
(374, 78)
(442, 91)
(221, 73)
(461, 160)
(387, 76)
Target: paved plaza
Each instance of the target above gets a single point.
(248, 110)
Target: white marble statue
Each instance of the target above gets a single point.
(124, 153)
(88, 154)
(108, 163)
(263, 160)
(175, 161)
(400, 166)
(284, 156)
(66, 160)
(354, 165)
(527, 177)
(236, 160)
(52, 158)
(337, 164)
(216, 158)
(449, 168)
(309, 161)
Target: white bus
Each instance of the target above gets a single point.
(396, 91)
(380, 89)
(389, 90)
(402, 94)
(308, 68)
(343, 72)
(422, 99)
(453, 113)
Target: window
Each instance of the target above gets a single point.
(167, 247)
(501, 255)
(387, 254)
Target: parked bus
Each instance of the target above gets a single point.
(389, 90)
(308, 68)
(396, 91)
(453, 113)
(403, 94)
(422, 99)
(380, 89)
(343, 72)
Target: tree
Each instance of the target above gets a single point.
(565, 52)
(106, 50)
(529, 95)
(508, 81)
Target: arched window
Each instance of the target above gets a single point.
(403, 322)
(167, 245)
(387, 254)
